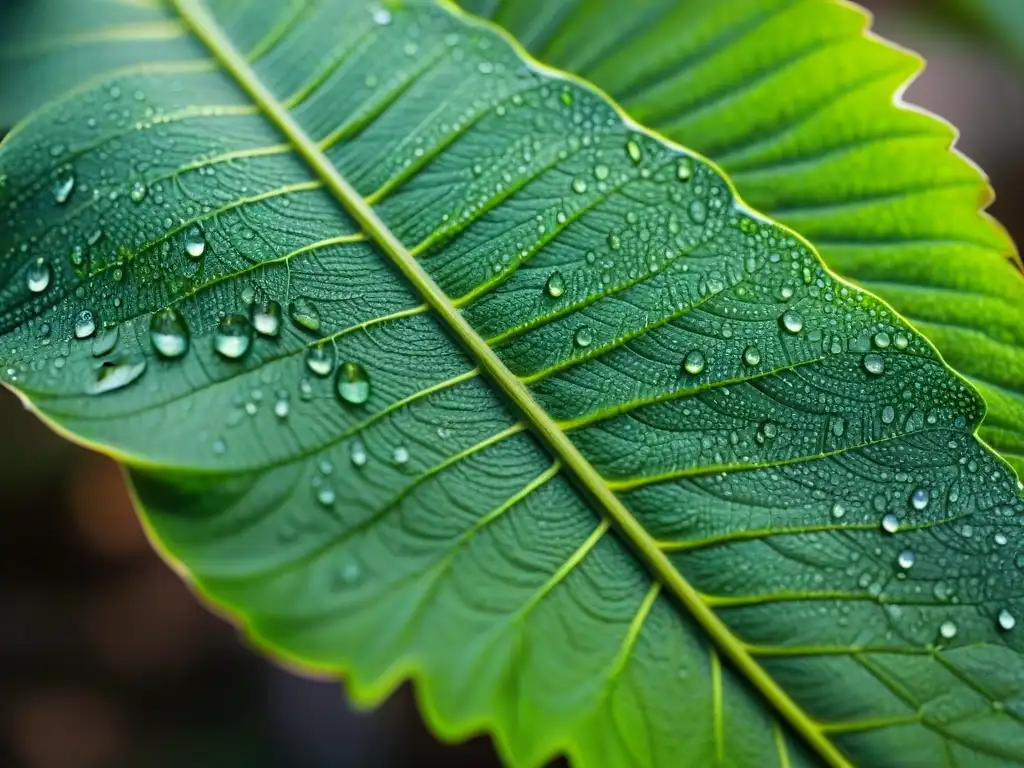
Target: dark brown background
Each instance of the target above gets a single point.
(106, 659)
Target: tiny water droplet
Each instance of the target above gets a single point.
(400, 454)
(874, 363)
(888, 414)
(357, 453)
(838, 510)
(85, 324)
(919, 499)
(890, 523)
(320, 359)
(694, 363)
(353, 383)
(305, 314)
(770, 429)
(381, 16)
(882, 340)
(1007, 620)
(555, 285)
(583, 337)
(195, 243)
(683, 170)
(38, 275)
(948, 630)
(62, 190)
(283, 406)
(905, 559)
(1001, 540)
(601, 172)
(752, 355)
(107, 339)
(138, 193)
(633, 150)
(792, 321)
(220, 447)
(579, 186)
(168, 332)
(698, 211)
(116, 373)
(901, 341)
(233, 337)
(326, 495)
(265, 317)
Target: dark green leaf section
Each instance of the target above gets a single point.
(821, 560)
(797, 104)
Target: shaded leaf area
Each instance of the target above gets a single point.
(799, 467)
(796, 103)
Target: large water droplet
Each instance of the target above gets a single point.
(114, 374)
(874, 363)
(901, 341)
(1007, 620)
(882, 340)
(38, 275)
(195, 243)
(105, 342)
(890, 523)
(694, 362)
(792, 321)
(583, 337)
(948, 630)
(305, 314)
(85, 324)
(752, 355)
(320, 359)
(266, 317)
(905, 559)
(169, 333)
(919, 499)
(233, 337)
(555, 285)
(353, 383)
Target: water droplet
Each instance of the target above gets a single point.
(169, 333)
(353, 383)
(579, 186)
(905, 559)
(888, 414)
(105, 342)
(400, 454)
(633, 150)
(62, 190)
(305, 314)
(890, 524)
(752, 355)
(882, 340)
(320, 359)
(601, 172)
(838, 510)
(874, 363)
(138, 193)
(38, 275)
(1001, 540)
(792, 321)
(948, 630)
(114, 374)
(694, 363)
(901, 341)
(698, 211)
(381, 16)
(1006, 620)
(85, 324)
(77, 256)
(357, 453)
(770, 429)
(233, 337)
(195, 243)
(265, 317)
(683, 170)
(583, 337)
(283, 406)
(219, 447)
(555, 285)
(326, 495)
(919, 499)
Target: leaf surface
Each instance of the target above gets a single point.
(634, 478)
(801, 109)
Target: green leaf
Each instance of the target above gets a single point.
(610, 464)
(797, 104)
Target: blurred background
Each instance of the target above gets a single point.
(108, 661)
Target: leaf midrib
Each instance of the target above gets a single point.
(585, 477)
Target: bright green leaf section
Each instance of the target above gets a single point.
(797, 104)
(609, 464)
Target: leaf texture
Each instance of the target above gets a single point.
(632, 476)
(801, 109)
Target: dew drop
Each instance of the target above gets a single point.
(115, 374)
(601, 172)
(919, 499)
(633, 150)
(1001, 540)
(890, 524)
(233, 337)
(105, 342)
(752, 356)
(888, 414)
(38, 275)
(381, 16)
(400, 454)
(62, 190)
(905, 559)
(305, 314)
(694, 363)
(579, 186)
(583, 337)
(283, 406)
(353, 383)
(770, 429)
(556, 285)
(882, 340)
(792, 321)
(357, 453)
(683, 170)
(1007, 620)
(326, 496)
(138, 193)
(265, 317)
(698, 211)
(948, 630)
(85, 324)
(874, 363)
(169, 333)
(838, 510)
(195, 243)
(320, 359)
(901, 341)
